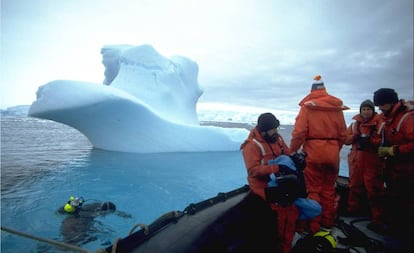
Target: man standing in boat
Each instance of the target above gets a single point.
(397, 150)
(365, 179)
(264, 154)
(320, 130)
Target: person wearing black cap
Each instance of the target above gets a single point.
(366, 185)
(396, 141)
(262, 146)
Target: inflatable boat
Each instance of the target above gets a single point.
(239, 221)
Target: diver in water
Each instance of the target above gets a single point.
(79, 225)
(73, 205)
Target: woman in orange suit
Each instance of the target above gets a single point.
(365, 175)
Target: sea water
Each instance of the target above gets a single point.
(44, 162)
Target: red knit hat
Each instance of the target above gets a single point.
(318, 83)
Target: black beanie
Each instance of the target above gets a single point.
(385, 96)
(367, 103)
(267, 121)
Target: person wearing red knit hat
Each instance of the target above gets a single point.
(320, 130)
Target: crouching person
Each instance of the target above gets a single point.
(273, 176)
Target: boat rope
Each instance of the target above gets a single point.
(145, 232)
(49, 241)
(115, 245)
(142, 226)
(221, 197)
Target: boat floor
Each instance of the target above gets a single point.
(368, 241)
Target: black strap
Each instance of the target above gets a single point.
(314, 138)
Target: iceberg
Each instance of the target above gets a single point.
(146, 104)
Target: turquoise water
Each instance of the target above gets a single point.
(43, 163)
(40, 172)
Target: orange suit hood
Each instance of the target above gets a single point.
(321, 100)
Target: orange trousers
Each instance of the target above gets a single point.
(286, 225)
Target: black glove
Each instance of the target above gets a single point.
(285, 170)
(363, 141)
(299, 160)
(286, 178)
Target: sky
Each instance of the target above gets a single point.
(261, 53)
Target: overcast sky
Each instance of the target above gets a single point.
(249, 52)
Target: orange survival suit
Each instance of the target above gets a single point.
(320, 127)
(365, 174)
(256, 153)
(397, 130)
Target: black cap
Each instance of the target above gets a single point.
(267, 121)
(385, 96)
(108, 206)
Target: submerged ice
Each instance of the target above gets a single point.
(146, 105)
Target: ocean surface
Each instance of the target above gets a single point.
(43, 163)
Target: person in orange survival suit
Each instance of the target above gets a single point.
(262, 146)
(397, 150)
(320, 127)
(365, 178)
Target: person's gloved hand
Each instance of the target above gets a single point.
(299, 160)
(386, 151)
(283, 160)
(273, 180)
(285, 170)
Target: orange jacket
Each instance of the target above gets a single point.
(364, 151)
(363, 127)
(256, 153)
(320, 127)
(397, 129)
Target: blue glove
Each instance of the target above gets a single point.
(308, 208)
(283, 160)
(273, 180)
